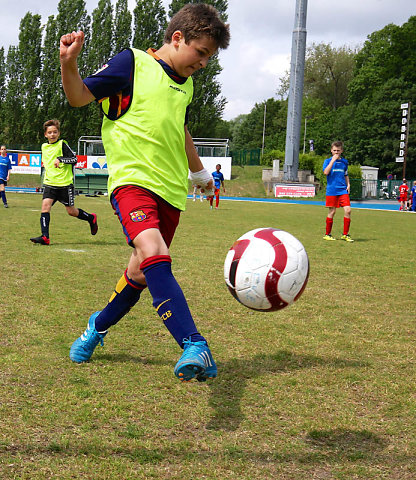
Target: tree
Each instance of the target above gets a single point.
(3, 88)
(207, 106)
(12, 104)
(149, 24)
(248, 134)
(100, 48)
(371, 63)
(122, 26)
(29, 52)
(328, 71)
(72, 15)
(50, 77)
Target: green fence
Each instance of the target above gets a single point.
(246, 157)
(362, 189)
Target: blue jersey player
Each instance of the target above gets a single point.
(5, 167)
(218, 180)
(337, 190)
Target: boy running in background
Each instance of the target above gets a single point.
(145, 98)
(5, 167)
(337, 190)
(58, 161)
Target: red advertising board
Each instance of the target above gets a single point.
(294, 190)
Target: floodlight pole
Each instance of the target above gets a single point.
(294, 112)
(264, 129)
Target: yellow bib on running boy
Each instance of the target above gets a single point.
(55, 177)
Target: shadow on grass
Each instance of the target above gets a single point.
(228, 388)
(126, 358)
(327, 447)
(350, 444)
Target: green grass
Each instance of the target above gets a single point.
(324, 389)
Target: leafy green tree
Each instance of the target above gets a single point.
(372, 60)
(50, 76)
(122, 26)
(149, 24)
(100, 48)
(328, 71)
(29, 51)
(99, 51)
(12, 114)
(208, 105)
(3, 88)
(72, 15)
(249, 134)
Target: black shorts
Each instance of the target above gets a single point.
(3, 182)
(65, 195)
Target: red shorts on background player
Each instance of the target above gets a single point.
(337, 190)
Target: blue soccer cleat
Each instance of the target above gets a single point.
(196, 361)
(84, 346)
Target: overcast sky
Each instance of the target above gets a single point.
(261, 37)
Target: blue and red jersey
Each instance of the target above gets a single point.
(218, 178)
(336, 183)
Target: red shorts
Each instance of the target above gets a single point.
(139, 209)
(403, 198)
(338, 200)
(217, 192)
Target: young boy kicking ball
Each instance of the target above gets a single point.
(145, 98)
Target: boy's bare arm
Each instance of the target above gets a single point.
(328, 168)
(76, 91)
(194, 162)
(204, 180)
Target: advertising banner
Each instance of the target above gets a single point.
(25, 162)
(283, 190)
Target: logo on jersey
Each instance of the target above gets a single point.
(101, 69)
(137, 216)
(178, 89)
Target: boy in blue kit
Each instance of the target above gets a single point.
(5, 167)
(145, 98)
(413, 196)
(337, 190)
(218, 180)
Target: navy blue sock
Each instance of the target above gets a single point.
(83, 215)
(125, 296)
(45, 218)
(169, 300)
(3, 197)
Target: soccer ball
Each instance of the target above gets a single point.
(266, 269)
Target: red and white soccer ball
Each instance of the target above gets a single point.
(266, 269)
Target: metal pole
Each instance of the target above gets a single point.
(264, 129)
(294, 112)
(304, 136)
(407, 140)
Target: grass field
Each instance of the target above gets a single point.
(324, 389)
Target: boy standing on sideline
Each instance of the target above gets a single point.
(58, 161)
(413, 196)
(5, 167)
(145, 98)
(403, 192)
(219, 180)
(337, 190)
